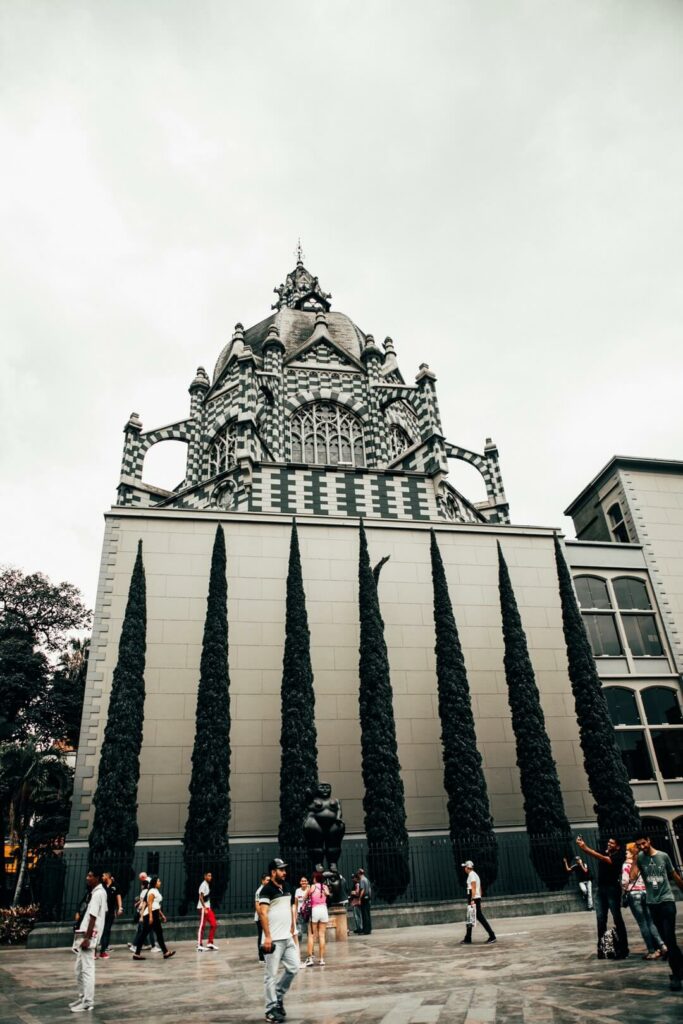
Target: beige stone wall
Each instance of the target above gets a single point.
(177, 550)
(656, 503)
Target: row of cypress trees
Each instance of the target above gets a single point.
(115, 829)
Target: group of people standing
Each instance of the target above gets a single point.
(640, 878)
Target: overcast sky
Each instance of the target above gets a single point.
(497, 185)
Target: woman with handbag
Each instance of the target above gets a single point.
(634, 897)
(355, 897)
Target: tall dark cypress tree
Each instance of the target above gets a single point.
(469, 816)
(115, 826)
(298, 739)
(546, 821)
(383, 801)
(614, 806)
(205, 841)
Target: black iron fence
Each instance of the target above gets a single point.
(512, 866)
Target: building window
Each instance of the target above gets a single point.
(598, 617)
(327, 434)
(616, 524)
(634, 713)
(635, 624)
(222, 454)
(641, 631)
(398, 441)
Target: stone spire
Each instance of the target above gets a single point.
(301, 289)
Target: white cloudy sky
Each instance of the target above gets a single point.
(497, 185)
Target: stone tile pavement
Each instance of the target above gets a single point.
(541, 971)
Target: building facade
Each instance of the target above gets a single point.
(305, 415)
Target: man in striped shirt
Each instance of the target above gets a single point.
(277, 915)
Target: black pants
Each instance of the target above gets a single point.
(106, 933)
(366, 917)
(664, 917)
(608, 898)
(147, 927)
(259, 933)
(481, 919)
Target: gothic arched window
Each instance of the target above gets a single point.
(222, 453)
(398, 441)
(327, 434)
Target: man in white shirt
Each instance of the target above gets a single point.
(86, 937)
(206, 914)
(474, 895)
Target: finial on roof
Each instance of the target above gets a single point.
(301, 289)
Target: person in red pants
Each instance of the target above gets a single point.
(206, 915)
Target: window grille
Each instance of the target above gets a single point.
(327, 434)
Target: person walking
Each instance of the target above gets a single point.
(658, 873)
(302, 925)
(635, 898)
(354, 899)
(277, 910)
(581, 872)
(206, 914)
(474, 897)
(319, 918)
(88, 930)
(138, 919)
(608, 895)
(114, 910)
(259, 930)
(365, 902)
(153, 915)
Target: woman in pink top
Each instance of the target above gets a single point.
(317, 894)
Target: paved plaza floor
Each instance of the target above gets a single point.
(542, 970)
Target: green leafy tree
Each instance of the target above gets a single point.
(615, 808)
(115, 826)
(298, 738)
(470, 822)
(64, 703)
(32, 781)
(384, 801)
(206, 845)
(24, 680)
(47, 610)
(546, 821)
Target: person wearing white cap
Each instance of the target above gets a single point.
(474, 895)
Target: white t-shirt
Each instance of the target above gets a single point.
(97, 908)
(300, 896)
(258, 893)
(156, 900)
(471, 878)
(204, 890)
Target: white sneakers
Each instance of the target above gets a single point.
(210, 945)
(80, 1007)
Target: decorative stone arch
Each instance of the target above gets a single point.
(180, 431)
(344, 398)
(399, 412)
(489, 468)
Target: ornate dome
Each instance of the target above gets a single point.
(300, 301)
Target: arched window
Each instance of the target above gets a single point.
(598, 617)
(222, 452)
(398, 441)
(641, 629)
(327, 434)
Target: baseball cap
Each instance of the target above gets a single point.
(276, 864)
(468, 864)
